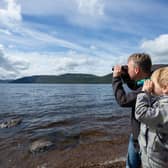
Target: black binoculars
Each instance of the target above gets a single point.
(126, 78)
(124, 69)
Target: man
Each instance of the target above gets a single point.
(139, 69)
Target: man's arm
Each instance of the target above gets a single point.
(123, 99)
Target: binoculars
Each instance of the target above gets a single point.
(124, 69)
(126, 78)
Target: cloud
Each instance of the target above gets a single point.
(71, 62)
(89, 13)
(157, 47)
(10, 68)
(91, 7)
(65, 8)
(121, 16)
(15, 32)
(48, 39)
(11, 15)
(30, 39)
(57, 63)
(23, 36)
(5, 31)
(86, 13)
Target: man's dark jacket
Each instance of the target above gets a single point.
(127, 100)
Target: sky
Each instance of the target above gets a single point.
(46, 37)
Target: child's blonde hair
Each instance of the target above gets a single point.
(161, 76)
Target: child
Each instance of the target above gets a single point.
(152, 111)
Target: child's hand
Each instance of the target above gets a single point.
(148, 86)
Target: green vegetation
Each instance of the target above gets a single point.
(66, 78)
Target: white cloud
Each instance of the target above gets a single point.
(89, 13)
(65, 8)
(158, 45)
(91, 7)
(23, 35)
(158, 48)
(11, 15)
(49, 39)
(29, 39)
(53, 63)
(5, 31)
(98, 13)
(84, 13)
(57, 63)
(10, 68)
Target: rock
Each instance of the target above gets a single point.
(11, 123)
(40, 146)
(45, 165)
(119, 164)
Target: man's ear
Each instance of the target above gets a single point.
(137, 69)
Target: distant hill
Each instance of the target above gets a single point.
(5, 81)
(66, 78)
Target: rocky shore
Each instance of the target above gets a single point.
(106, 154)
(20, 152)
(113, 164)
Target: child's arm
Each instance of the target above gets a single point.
(146, 113)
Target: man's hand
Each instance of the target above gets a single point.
(148, 86)
(117, 71)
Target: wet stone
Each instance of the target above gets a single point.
(10, 123)
(45, 165)
(40, 146)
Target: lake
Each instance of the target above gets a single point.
(67, 114)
